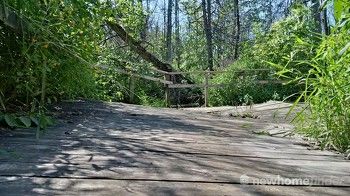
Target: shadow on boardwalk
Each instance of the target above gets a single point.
(118, 149)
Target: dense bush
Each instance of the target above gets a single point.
(51, 58)
(244, 87)
(112, 86)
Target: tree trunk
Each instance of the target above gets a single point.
(316, 14)
(270, 14)
(324, 20)
(237, 29)
(206, 6)
(169, 32)
(145, 27)
(164, 30)
(218, 31)
(177, 34)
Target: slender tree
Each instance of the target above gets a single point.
(164, 30)
(177, 34)
(169, 32)
(207, 17)
(324, 19)
(218, 31)
(316, 14)
(237, 29)
(146, 23)
(270, 16)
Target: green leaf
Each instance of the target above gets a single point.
(11, 120)
(35, 120)
(2, 103)
(45, 121)
(342, 51)
(49, 121)
(26, 121)
(340, 6)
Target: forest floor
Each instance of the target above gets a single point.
(99, 148)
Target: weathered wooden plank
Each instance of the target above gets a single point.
(60, 186)
(221, 85)
(135, 128)
(197, 85)
(156, 142)
(137, 75)
(193, 170)
(32, 156)
(170, 143)
(219, 71)
(159, 71)
(127, 143)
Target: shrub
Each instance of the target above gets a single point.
(240, 87)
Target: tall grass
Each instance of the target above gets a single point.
(327, 91)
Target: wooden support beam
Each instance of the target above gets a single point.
(138, 48)
(221, 85)
(136, 75)
(196, 85)
(132, 88)
(167, 91)
(218, 71)
(206, 88)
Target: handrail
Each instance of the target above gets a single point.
(138, 75)
(171, 85)
(204, 71)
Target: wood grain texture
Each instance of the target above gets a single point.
(118, 149)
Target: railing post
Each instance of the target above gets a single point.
(206, 88)
(132, 87)
(166, 89)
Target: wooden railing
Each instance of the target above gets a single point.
(169, 84)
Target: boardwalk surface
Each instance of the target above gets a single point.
(119, 149)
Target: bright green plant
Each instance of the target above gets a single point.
(327, 88)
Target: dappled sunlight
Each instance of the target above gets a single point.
(159, 145)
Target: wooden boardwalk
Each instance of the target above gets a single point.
(119, 149)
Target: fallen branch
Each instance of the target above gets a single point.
(136, 47)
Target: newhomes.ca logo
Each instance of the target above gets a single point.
(278, 180)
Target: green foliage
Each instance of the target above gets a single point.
(52, 57)
(339, 7)
(24, 121)
(327, 89)
(283, 39)
(290, 37)
(155, 101)
(245, 88)
(111, 85)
